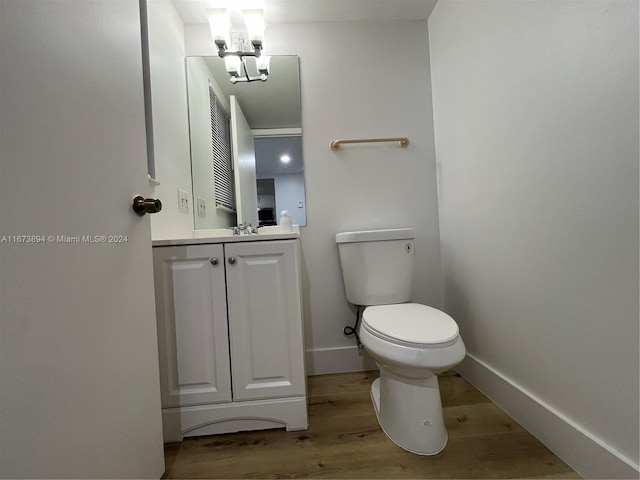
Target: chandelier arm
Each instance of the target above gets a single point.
(244, 67)
(238, 53)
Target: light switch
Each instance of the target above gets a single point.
(202, 207)
(183, 201)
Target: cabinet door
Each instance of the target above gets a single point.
(192, 325)
(265, 319)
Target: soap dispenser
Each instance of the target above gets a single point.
(285, 222)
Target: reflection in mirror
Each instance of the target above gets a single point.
(279, 168)
(246, 145)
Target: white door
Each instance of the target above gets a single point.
(193, 337)
(265, 319)
(244, 161)
(79, 383)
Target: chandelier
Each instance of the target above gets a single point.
(234, 49)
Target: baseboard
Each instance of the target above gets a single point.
(337, 360)
(586, 453)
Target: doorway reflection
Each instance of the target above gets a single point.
(280, 178)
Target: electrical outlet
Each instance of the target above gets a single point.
(202, 207)
(183, 201)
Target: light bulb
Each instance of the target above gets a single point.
(232, 64)
(285, 158)
(254, 20)
(220, 25)
(262, 63)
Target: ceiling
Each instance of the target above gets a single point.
(286, 11)
(268, 153)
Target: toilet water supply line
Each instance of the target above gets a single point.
(354, 330)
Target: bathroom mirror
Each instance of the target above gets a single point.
(265, 172)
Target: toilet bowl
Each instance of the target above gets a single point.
(410, 342)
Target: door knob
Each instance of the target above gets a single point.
(143, 205)
(214, 261)
(232, 260)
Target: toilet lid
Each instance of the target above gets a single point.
(411, 323)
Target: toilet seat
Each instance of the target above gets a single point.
(411, 324)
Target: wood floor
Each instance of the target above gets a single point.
(345, 441)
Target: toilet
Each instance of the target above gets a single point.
(410, 342)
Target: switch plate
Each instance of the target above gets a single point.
(183, 201)
(202, 207)
(300, 204)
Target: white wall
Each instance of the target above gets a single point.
(353, 92)
(536, 123)
(290, 191)
(371, 86)
(170, 120)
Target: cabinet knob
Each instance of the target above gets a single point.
(232, 260)
(214, 261)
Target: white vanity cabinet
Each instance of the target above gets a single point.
(230, 337)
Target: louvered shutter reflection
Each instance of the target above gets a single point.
(222, 167)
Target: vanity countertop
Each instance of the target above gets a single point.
(225, 235)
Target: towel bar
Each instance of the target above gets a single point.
(403, 141)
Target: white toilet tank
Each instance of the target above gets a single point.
(377, 265)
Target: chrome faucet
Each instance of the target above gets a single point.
(246, 228)
(238, 229)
